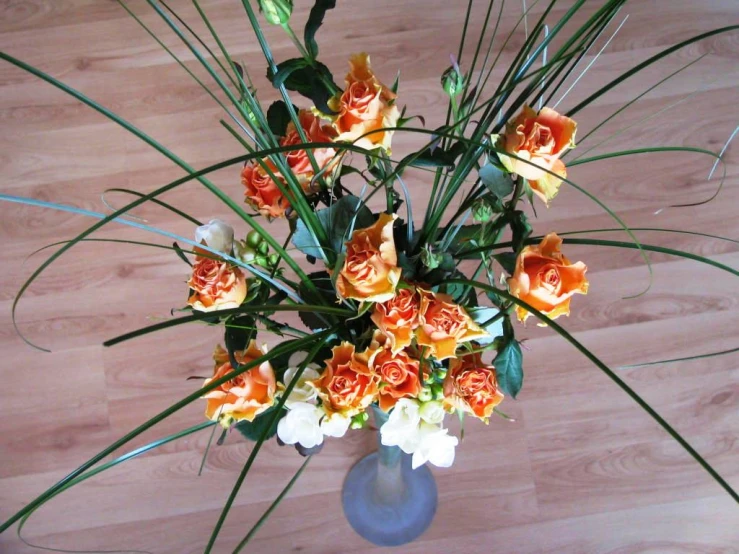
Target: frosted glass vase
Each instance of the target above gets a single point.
(385, 500)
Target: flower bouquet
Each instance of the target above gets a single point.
(406, 312)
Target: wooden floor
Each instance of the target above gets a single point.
(581, 470)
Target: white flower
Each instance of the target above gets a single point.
(432, 412)
(302, 391)
(335, 425)
(301, 424)
(401, 428)
(435, 446)
(217, 235)
(297, 358)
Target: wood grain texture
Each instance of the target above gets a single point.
(581, 470)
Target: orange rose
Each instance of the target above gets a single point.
(215, 285)
(398, 375)
(347, 385)
(365, 105)
(370, 271)
(398, 318)
(470, 386)
(540, 139)
(443, 325)
(245, 396)
(261, 191)
(546, 280)
(315, 131)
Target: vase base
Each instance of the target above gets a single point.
(389, 523)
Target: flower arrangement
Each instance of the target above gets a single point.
(412, 314)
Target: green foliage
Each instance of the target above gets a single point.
(497, 181)
(339, 220)
(276, 12)
(252, 430)
(322, 281)
(507, 261)
(310, 79)
(315, 20)
(240, 330)
(521, 229)
(181, 254)
(278, 117)
(509, 363)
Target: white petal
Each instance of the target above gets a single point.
(217, 235)
(336, 425)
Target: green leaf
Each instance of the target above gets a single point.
(181, 254)
(497, 181)
(278, 117)
(322, 281)
(315, 20)
(521, 230)
(507, 260)
(252, 430)
(490, 319)
(312, 81)
(345, 215)
(285, 69)
(239, 331)
(509, 368)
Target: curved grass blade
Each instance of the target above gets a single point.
(283, 349)
(234, 261)
(685, 359)
(104, 467)
(258, 445)
(617, 244)
(592, 62)
(116, 241)
(240, 310)
(634, 100)
(272, 507)
(650, 229)
(641, 121)
(663, 149)
(153, 200)
(710, 174)
(611, 375)
(666, 52)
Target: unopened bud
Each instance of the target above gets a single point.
(430, 259)
(452, 81)
(276, 12)
(482, 211)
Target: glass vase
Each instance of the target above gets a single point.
(384, 499)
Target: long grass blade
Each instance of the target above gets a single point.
(473, 252)
(247, 309)
(684, 359)
(611, 375)
(104, 467)
(666, 52)
(658, 229)
(283, 349)
(156, 201)
(592, 62)
(235, 261)
(258, 445)
(272, 507)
